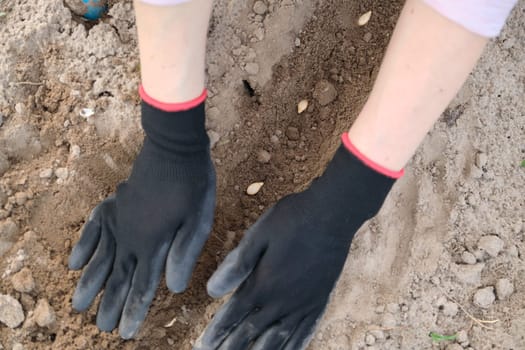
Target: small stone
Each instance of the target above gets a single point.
(18, 346)
(468, 258)
(62, 173)
(292, 133)
(74, 152)
(11, 313)
(462, 336)
(491, 244)
(484, 297)
(44, 313)
(274, 139)
(21, 198)
(504, 288)
(297, 42)
(450, 309)
(378, 334)
(259, 34)
(389, 321)
(263, 156)
(469, 274)
(214, 138)
(481, 160)
(46, 173)
(367, 37)
(4, 163)
(23, 281)
(392, 308)
(370, 339)
(260, 8)
(170, 341)
(324, 92)
(252, 68)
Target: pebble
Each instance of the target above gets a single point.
(18, 346)
(260, 8)
(292, 133)
(252, 68)
(370, 339)
(62, 173)
(214, 138)
(389, 321)
(468, 258)
(263, 156)
(484, 297)
(462, 336)
(21, 198)
(469, 274)
(392, 308)
(44, 313)
(4, 163)
(46, 173)
(74, 152)
(450, 309)
(367, 37)
(324, 92)
(274, 139)
(378, 334)
(481, 160)
(504, 288)
(23, 281)
(491, 244)
(259, 34)
(11, 312)
(297, 42)
(8, 229)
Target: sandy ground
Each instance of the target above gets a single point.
(445, 254)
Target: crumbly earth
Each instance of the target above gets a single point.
(445, 254)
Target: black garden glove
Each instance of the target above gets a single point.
(289, 261)
(158, 219)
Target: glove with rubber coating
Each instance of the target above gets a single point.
(159, 219)
(288, 262)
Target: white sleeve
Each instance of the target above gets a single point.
(164, 2)
(484, 17)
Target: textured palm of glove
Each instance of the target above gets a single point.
(289, 261)
(159, 219)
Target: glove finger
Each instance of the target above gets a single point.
(116, 292)
(188, 244)
(225, 320)
(95, 273)
(276, 337)
(239, 264)
(145, 281)
(249, 329)
(303, 334)
(89, 238)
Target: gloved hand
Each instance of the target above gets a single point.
(158, 219)
(287, 264)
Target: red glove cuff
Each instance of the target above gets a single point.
(368, 162)
(172, 107)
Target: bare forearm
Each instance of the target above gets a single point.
(172, 44)
(427, 61)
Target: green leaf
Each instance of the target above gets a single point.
(523, 163)
(440, 337)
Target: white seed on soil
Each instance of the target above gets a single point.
(302, 106)
(254, 188)
(484, 297)
(364, 18)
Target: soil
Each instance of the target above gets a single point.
(453, 226)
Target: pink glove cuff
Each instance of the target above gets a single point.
(172, 107)
(368, 162)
